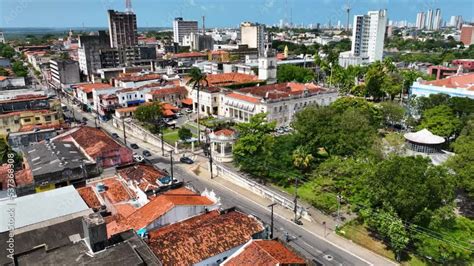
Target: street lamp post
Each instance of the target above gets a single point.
(171, 166)
(271, 226)
(330, 76)
(124, 134)
(295, 210)
(339, 198)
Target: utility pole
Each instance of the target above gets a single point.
(209, 149)
(295, 210)
(271, 226)
(162, 142)
(171, 166)
(339, 198)
(124, 134)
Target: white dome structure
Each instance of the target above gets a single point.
(424, 141)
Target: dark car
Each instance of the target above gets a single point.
(115, 135)
(134, 146)
(146, 153)
(186, 160)
(84, 119)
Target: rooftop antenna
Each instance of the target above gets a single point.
(128, 6)
(348, 11)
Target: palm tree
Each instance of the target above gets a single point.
(302, 159)
(198, 80)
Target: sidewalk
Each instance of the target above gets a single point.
(315, 228)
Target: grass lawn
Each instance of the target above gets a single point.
(359, 234)
(171, 136)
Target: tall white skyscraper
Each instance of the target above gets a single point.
(368, 36)
(429, 20)
(183, 28)
(2, 37)
(420, 20)
(437, 19)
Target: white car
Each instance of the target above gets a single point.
(138, 158)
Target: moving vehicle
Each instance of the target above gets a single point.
(146, 153)
(115, 135)
(138, 158)
(186, 160)
(134, 146)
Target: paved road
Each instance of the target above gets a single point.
(309, 244)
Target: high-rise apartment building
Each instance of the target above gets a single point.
(122, 29)
(183, 28)
(437, 19)
(253, 35)
(2, 37)
(368, 35)
(420, 20)
(89, 52)
(429, 20)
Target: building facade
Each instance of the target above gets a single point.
(253, 35)
(368, 35)
(89, 52)
(122, 29)
(64, 72)
(467, 34)
(183, 28)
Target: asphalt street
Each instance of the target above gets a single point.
(315, 247)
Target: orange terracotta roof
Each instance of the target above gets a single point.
(145, 175)
(203, 236)
(22, 177)
(94, 141)
(25, 98)
(167, 91)
(138, 77)
(32, 112)
(243, 97)
(224, 132)
(465, 81)
(187, 101)
(89, 197)
(115, 191)
(168, 106)
(127, 109)
(2, 78)
(156, 208)
(190, 54)
(168, 113)
(88, 88)
(124, 209)
(281, 90)
(27, 128)
(265, 253)
(230, 79)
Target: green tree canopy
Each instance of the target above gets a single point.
(440, 120)
(184, 133)
(149, 113)
(289, 72)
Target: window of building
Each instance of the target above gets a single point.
(16, 122)
(47, 118)
(37, 118)
(26, 120)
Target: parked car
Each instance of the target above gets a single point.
(134, 146)
(115, 135)
(84, 119)
(146, 153)
(187, 110)
(138, 158)
(186, 160)
(179, 114)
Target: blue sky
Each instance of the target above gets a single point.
(219, 13)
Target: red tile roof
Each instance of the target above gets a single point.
(230, 79)
(281, 90)
(27, 112)
(115, 191)
(22, 177)
(264, 253)
(88, 88)
(2, 78)
(187, 101)
(190, 54)
(94, 141)
(224, 132)
(89, 197)
(138, 77)
(465, 81)
(157, 207)
(25, 98)
(243, 97)
(145, 175)
(201, 237)
(27, 128)
(167, 91)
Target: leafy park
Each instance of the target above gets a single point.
(341, 151)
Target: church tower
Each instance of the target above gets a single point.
(267, 66)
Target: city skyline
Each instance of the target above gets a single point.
(89, 13)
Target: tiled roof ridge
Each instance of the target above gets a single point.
(264, 250)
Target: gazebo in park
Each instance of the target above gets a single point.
(424, 141)
(222, 143)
